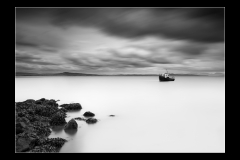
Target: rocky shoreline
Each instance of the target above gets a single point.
(34, 118)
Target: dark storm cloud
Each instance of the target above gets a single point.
(197, 24)
(30, 59)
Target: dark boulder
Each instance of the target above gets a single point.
(58, 119)
(44, 149)
(51, 102)
(42, 99)
(33, 120)
(45, 110)
(72, 124)
(47, 102)
(41, 129)
(56, 142)
(29, 101)
(38, 102)
(22, 119)
(22, 145)
(88, 114)
(25, 142)
(49, 145)
(72, 106)
(63, 110)
(91, 120)
(20, 127)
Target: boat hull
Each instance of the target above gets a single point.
(161, 78)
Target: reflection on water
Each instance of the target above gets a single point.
(71, 132)
(57, 129)
(186, 115)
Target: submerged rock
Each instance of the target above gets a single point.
(88, 114)
(72, 106)
(72, 124)
(91, 120)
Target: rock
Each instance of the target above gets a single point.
(24, 144)
(20, 127)
(44, 149)
(49, 145)
(38, 102)
(22, 119)
(31, 101)
(91, 120)
(88, 114)
(42, 99)
(51, 102)
(58, 119)
(63, 110)
(72, 124)
(41, 129)
(111, 115)
(32, 125)
(72, 106)
(56, 142)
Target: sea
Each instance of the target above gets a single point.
(185, 115)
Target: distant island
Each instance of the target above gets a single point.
(84, 74)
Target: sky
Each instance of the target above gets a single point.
(120, 40)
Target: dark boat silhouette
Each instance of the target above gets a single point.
(166, 77)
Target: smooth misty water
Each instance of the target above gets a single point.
(187, 115)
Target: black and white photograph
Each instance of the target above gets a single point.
(119, 79)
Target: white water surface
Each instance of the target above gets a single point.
(187, 115)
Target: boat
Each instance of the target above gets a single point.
(166, 77)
